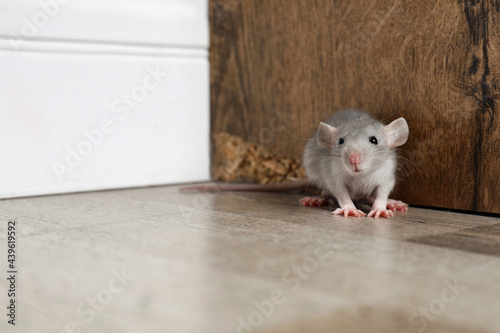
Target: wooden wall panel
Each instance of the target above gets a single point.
(278, 67)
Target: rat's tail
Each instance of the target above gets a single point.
(282, 187)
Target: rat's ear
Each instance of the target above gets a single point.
(396, 133)
(326, 135)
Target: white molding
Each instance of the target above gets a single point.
(101, 48)
(183, 23)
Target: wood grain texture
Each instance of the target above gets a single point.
(279, 67)
(198, 262)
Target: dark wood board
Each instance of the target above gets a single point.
(278, 67)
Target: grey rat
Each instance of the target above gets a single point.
(350, 157)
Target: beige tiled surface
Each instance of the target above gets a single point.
(199, 262)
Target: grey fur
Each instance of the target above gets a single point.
(330, 170)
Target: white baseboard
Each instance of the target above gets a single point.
(97, 112)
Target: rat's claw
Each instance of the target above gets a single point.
(349, 212)
(376, 213)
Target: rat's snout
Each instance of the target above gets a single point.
(355, 161)
(355, 158)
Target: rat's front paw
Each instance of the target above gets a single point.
(381, 213)
(396, 205)
(349, 211)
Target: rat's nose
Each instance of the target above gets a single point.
(354, 158)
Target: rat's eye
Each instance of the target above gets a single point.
(341, 141)
(373, 140)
